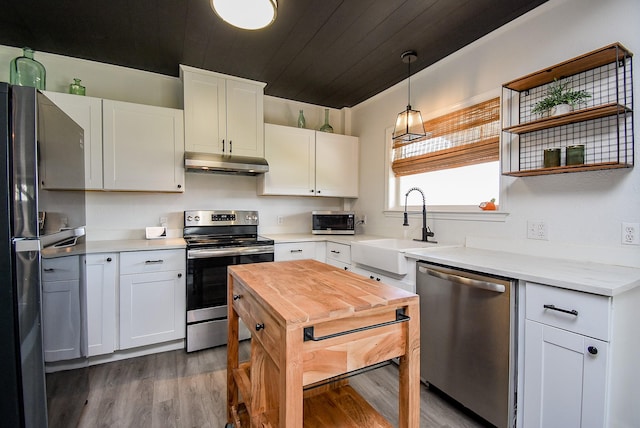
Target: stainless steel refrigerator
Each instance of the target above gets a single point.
(31, 125)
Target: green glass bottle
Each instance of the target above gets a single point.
(26, 71)
(76, 88)
(302, 123)
(326, 127)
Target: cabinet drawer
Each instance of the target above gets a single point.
(60, 269)
(339, 252)
(152, 261)
(591, 316)
(295, 251)
(253, 313)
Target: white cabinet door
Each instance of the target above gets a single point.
(245, 118)
(222, 114)
(336, 165)
(564, 378)
(205, 114)
(86, 112)
(143, 147)
(61, 320)
(152, 308)
(291, 156)
(294, 251)
(101, 303)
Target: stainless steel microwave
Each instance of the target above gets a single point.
(333, 223)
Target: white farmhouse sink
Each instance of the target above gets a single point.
(385, 254)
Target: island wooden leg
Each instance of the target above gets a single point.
(409, 388)
(232, 352)
(290, 385)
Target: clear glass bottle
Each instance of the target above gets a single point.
(326, 127)
(302, 123)
(26, 71)
(76, 88)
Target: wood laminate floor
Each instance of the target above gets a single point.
(176, 389)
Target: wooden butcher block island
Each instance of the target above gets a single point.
(310, 324)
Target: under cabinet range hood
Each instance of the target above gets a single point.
(224, 164)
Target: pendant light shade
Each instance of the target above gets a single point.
(409, 125)
(246, 14)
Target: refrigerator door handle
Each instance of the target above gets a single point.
(26, 245)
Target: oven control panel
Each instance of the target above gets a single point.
(220, 218)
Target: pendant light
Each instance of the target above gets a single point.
(409, 124)
(246, 14)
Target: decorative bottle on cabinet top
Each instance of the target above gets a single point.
(26, 71)
(302, 123)
(326, 127)
(76, 88)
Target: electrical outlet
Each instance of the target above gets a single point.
(537, 230)
(163, 221)
(280, 219)
(630, 233)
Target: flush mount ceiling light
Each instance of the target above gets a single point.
(409, 124)
(246, 14)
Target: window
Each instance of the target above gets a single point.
(455, 165)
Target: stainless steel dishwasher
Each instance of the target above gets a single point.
(468, 339)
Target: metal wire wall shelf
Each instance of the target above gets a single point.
(603, 124)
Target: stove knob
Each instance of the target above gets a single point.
(189, 218)
(197, 218)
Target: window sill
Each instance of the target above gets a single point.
(457, 214)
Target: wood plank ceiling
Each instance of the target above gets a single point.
(334, 53)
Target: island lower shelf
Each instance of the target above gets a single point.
(334, 404)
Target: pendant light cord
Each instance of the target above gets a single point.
(409, 85)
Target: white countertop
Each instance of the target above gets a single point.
(602, 279)
(92, 247)
(282, 238)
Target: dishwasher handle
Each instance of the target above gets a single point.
(470, 282)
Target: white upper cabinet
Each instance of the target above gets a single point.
(222, 114)
(86, 112)
(291, 153)
(336, 165)
(130, 147)
(304, 162)
(143, 147)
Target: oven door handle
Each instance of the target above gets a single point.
(205, 253)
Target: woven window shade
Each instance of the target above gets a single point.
(464, 137)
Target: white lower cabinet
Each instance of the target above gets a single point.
(299, 251)
(152, 297)
(581, 354)
(565, 378)
(61, 309)
(339, 255)
(102, 283)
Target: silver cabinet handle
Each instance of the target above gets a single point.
(295, 251)
(49, 270)
(470, 282)
(153, 262)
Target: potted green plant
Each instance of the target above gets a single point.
(560, 99)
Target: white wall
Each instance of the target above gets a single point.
(124, 215)
(581, 209)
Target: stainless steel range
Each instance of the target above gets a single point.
(215, 240)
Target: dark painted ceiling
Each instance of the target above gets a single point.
(334, 53)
